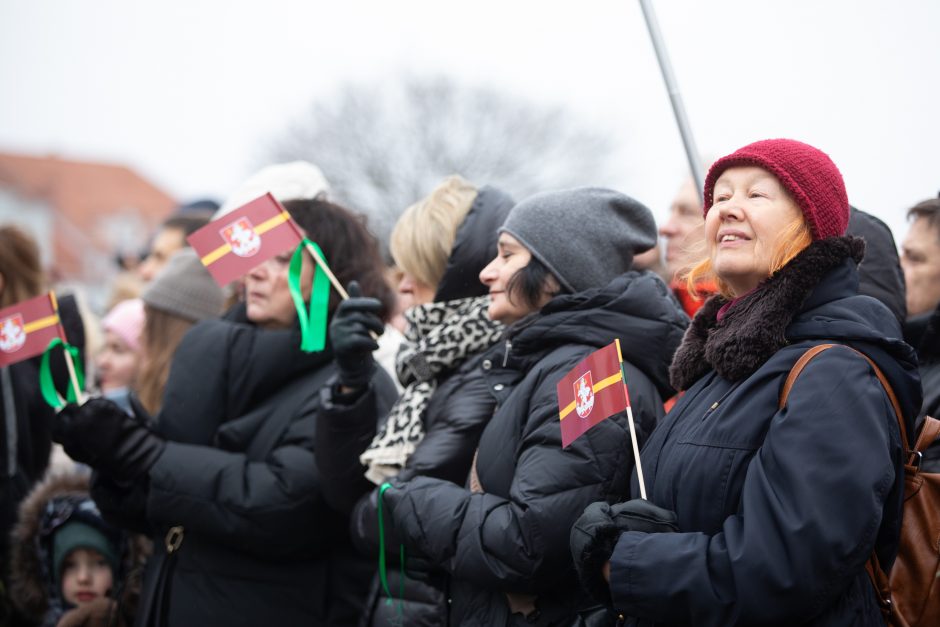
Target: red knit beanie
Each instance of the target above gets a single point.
(807, 173)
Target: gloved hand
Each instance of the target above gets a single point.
(101, 611)
(349, 335)
(596, 532)
(102, 435)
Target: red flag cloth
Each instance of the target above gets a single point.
(592, 392)
(238, 241)
(26, 329)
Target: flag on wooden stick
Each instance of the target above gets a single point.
(237, 242)
(27, 327)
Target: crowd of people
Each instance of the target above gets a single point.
(414, 471)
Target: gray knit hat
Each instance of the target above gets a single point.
(585, 236)
(184, 288)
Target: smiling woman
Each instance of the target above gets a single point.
(775, 212)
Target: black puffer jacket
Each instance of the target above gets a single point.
(513, 536)
(26, 432)
(778, 510)
(458, 410)
(237, 487)
(923, 333)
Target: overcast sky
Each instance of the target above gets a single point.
(191, 93)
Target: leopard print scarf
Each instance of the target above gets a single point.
(439, 337)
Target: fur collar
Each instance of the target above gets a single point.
(29, 590)
(754, 328)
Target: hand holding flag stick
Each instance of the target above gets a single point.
(589, 394)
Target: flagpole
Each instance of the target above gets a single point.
(633, 440)
(672, 86)
(326, 269)
(79, 394)
(333, 280)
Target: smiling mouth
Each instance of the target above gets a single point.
(730, 237)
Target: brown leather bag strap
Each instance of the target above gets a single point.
(929, 432)
(879, 578)
(815, 350)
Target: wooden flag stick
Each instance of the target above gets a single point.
(636, 447)
(326, 269)
(333, 280)
(79, 394)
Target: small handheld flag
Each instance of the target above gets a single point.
(238, 241)
(26, 329)
(32, 327)
(593, 391)
(241, 240)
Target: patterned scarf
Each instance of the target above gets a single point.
(439, 337)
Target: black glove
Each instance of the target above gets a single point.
(349, 334)
(596, 532)
(102, 435)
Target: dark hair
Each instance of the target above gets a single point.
(188, 223)
(529, 284)
(928, 209)
(351, 251)
(20, 266)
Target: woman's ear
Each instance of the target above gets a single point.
(551, 287)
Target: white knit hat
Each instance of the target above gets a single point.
(297, 180)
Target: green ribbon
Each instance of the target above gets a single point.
(313, 317)
(47, 385)
(383, 568)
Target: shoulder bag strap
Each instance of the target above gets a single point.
(879, 578)
(815, 350)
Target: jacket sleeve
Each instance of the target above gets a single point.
(457, 415)
(520, 543)
(810, 511)
(344, 431)
(273, 505)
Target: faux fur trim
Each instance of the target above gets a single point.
(28, 591)
(754, 328)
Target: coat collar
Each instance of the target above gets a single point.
(755, 327)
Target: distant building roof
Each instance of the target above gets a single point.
(83, 194)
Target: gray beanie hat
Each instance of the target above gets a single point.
(184, 288)
(585, 236)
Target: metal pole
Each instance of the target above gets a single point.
(695, 164)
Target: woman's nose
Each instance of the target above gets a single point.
(488, 274)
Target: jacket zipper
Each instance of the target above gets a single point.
(506, 353)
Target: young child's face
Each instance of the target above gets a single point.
(86, 576)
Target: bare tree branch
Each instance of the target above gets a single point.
(384, 147)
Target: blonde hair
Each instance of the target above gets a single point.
(789, 243)
(424, 235)
(163, 332)
(20, 266)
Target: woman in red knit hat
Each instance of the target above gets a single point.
(756, 514)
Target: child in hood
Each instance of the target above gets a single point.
(69, 567)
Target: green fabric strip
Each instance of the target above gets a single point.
(47, 385)
(313, 317)
(383, 569)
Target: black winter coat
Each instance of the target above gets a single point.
(513, 536)
(459, 408)
(923, 333)
(238, 482)
(778, 510)
(26, 432)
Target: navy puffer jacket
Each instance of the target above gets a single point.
(778, 510)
